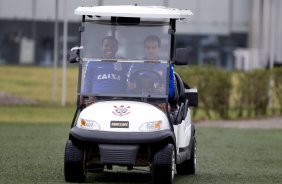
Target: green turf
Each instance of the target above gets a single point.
(37, 114)
(33, 153)
(37, 83)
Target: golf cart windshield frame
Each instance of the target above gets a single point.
(167, 53)
(127, 79)
(130, 39)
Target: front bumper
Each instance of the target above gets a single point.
(121, 137)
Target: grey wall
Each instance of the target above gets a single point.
(210, 16)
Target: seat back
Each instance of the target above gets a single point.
(180, 87)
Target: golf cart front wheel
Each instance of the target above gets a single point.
(74, 163)
(163, 169)
(189, 166)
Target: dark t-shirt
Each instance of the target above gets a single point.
(105, 77)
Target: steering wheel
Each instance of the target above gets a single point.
(145, 80)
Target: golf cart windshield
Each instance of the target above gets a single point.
(125, 60)
(130, 40)
(144, 79)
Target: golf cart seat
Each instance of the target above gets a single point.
(179, 97)
(180, 103)
(179, 92)
(179, 87)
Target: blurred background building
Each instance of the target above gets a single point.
(231, 34)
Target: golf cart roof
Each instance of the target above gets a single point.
(154, 12)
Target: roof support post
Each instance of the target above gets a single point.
(172, 33)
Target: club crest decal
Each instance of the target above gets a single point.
(117, 66)
(121, 110)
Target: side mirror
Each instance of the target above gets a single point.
(181, 57)
(75, 54)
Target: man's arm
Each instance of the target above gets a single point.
(130, 82)
(171, 82)
(87, 82)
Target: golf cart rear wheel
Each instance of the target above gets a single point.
(189, 166)
(163, 169)
(74, 163)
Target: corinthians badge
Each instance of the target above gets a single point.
(117, 66)
(121, 110)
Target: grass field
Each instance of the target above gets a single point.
(33, 153)
(37, 83)
(32, 140)
(36, 114)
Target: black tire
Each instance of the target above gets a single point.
(74, 163)
(163, 168)
(188, 167)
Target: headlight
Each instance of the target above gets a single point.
(151, 126)
(88, 124)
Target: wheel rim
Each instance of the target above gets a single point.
(173, 165)
(195, 154)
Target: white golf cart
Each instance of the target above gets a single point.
(124, 126)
